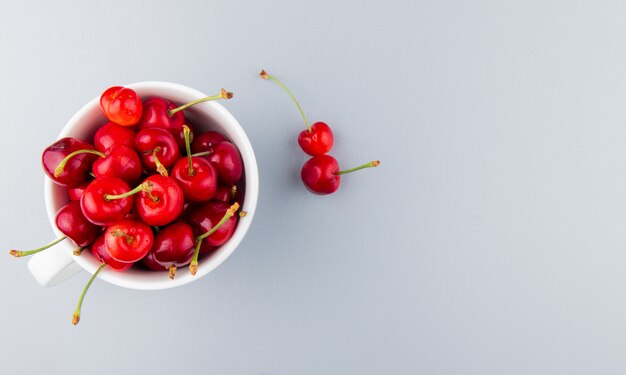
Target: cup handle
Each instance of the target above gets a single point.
(53, 265)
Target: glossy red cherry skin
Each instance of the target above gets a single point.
(98, 249)
(318, 141)
(150, 263)
(174, 245)
(104, 212)
(74, 194)
(76, 171)
(121, 105)
(207, 141)
(206, 216)
(121, 162)
(133, 245)
(227, 162)
(201, 186)
(167, 205)
(72, 223)
(149, 139)
(112, 134)
(225, 194)
(318, 175)
(155, 115)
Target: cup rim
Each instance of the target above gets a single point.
(160, 280)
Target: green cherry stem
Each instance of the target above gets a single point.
(76, 316)
(160, 167)
(59, 169)
(264, 75)
(222, 95)
(146, 187)
(371, 164)
(203, 153)
(186, 134)
(193, 266)
(18, 253)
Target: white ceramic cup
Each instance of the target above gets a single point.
(58, 263)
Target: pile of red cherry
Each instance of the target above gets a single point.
(146, 192)
(320, 174)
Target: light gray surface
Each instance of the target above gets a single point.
(490, 241)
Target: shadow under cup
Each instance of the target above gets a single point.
(204, 116)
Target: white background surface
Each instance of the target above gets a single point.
(490, 241)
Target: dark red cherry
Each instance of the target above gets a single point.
(206, 216)
(150, 263)
(206, 141)
(174, 246)
(220, 228)
(76, 169)
(227, 162)
(72, 223)
(128, 241)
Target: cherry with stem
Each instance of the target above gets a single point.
(321, 174)
(193, 266)
(318, 138)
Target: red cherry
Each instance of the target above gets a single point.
(101, 203)
(321, 174)
(227, 162)
(317, 139)
(73, 224)
(121, 105)
(128, 241)
(206, 141)
(150, 263)
(112, 134)
(121, 162)
(229, 194)
(196, 176)
(156, 114)
(74, 194)
(76, 169)
(174, 247)
(207, 215)
(215, 223)
(158, 149)
(98, 249)
(160, 202)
